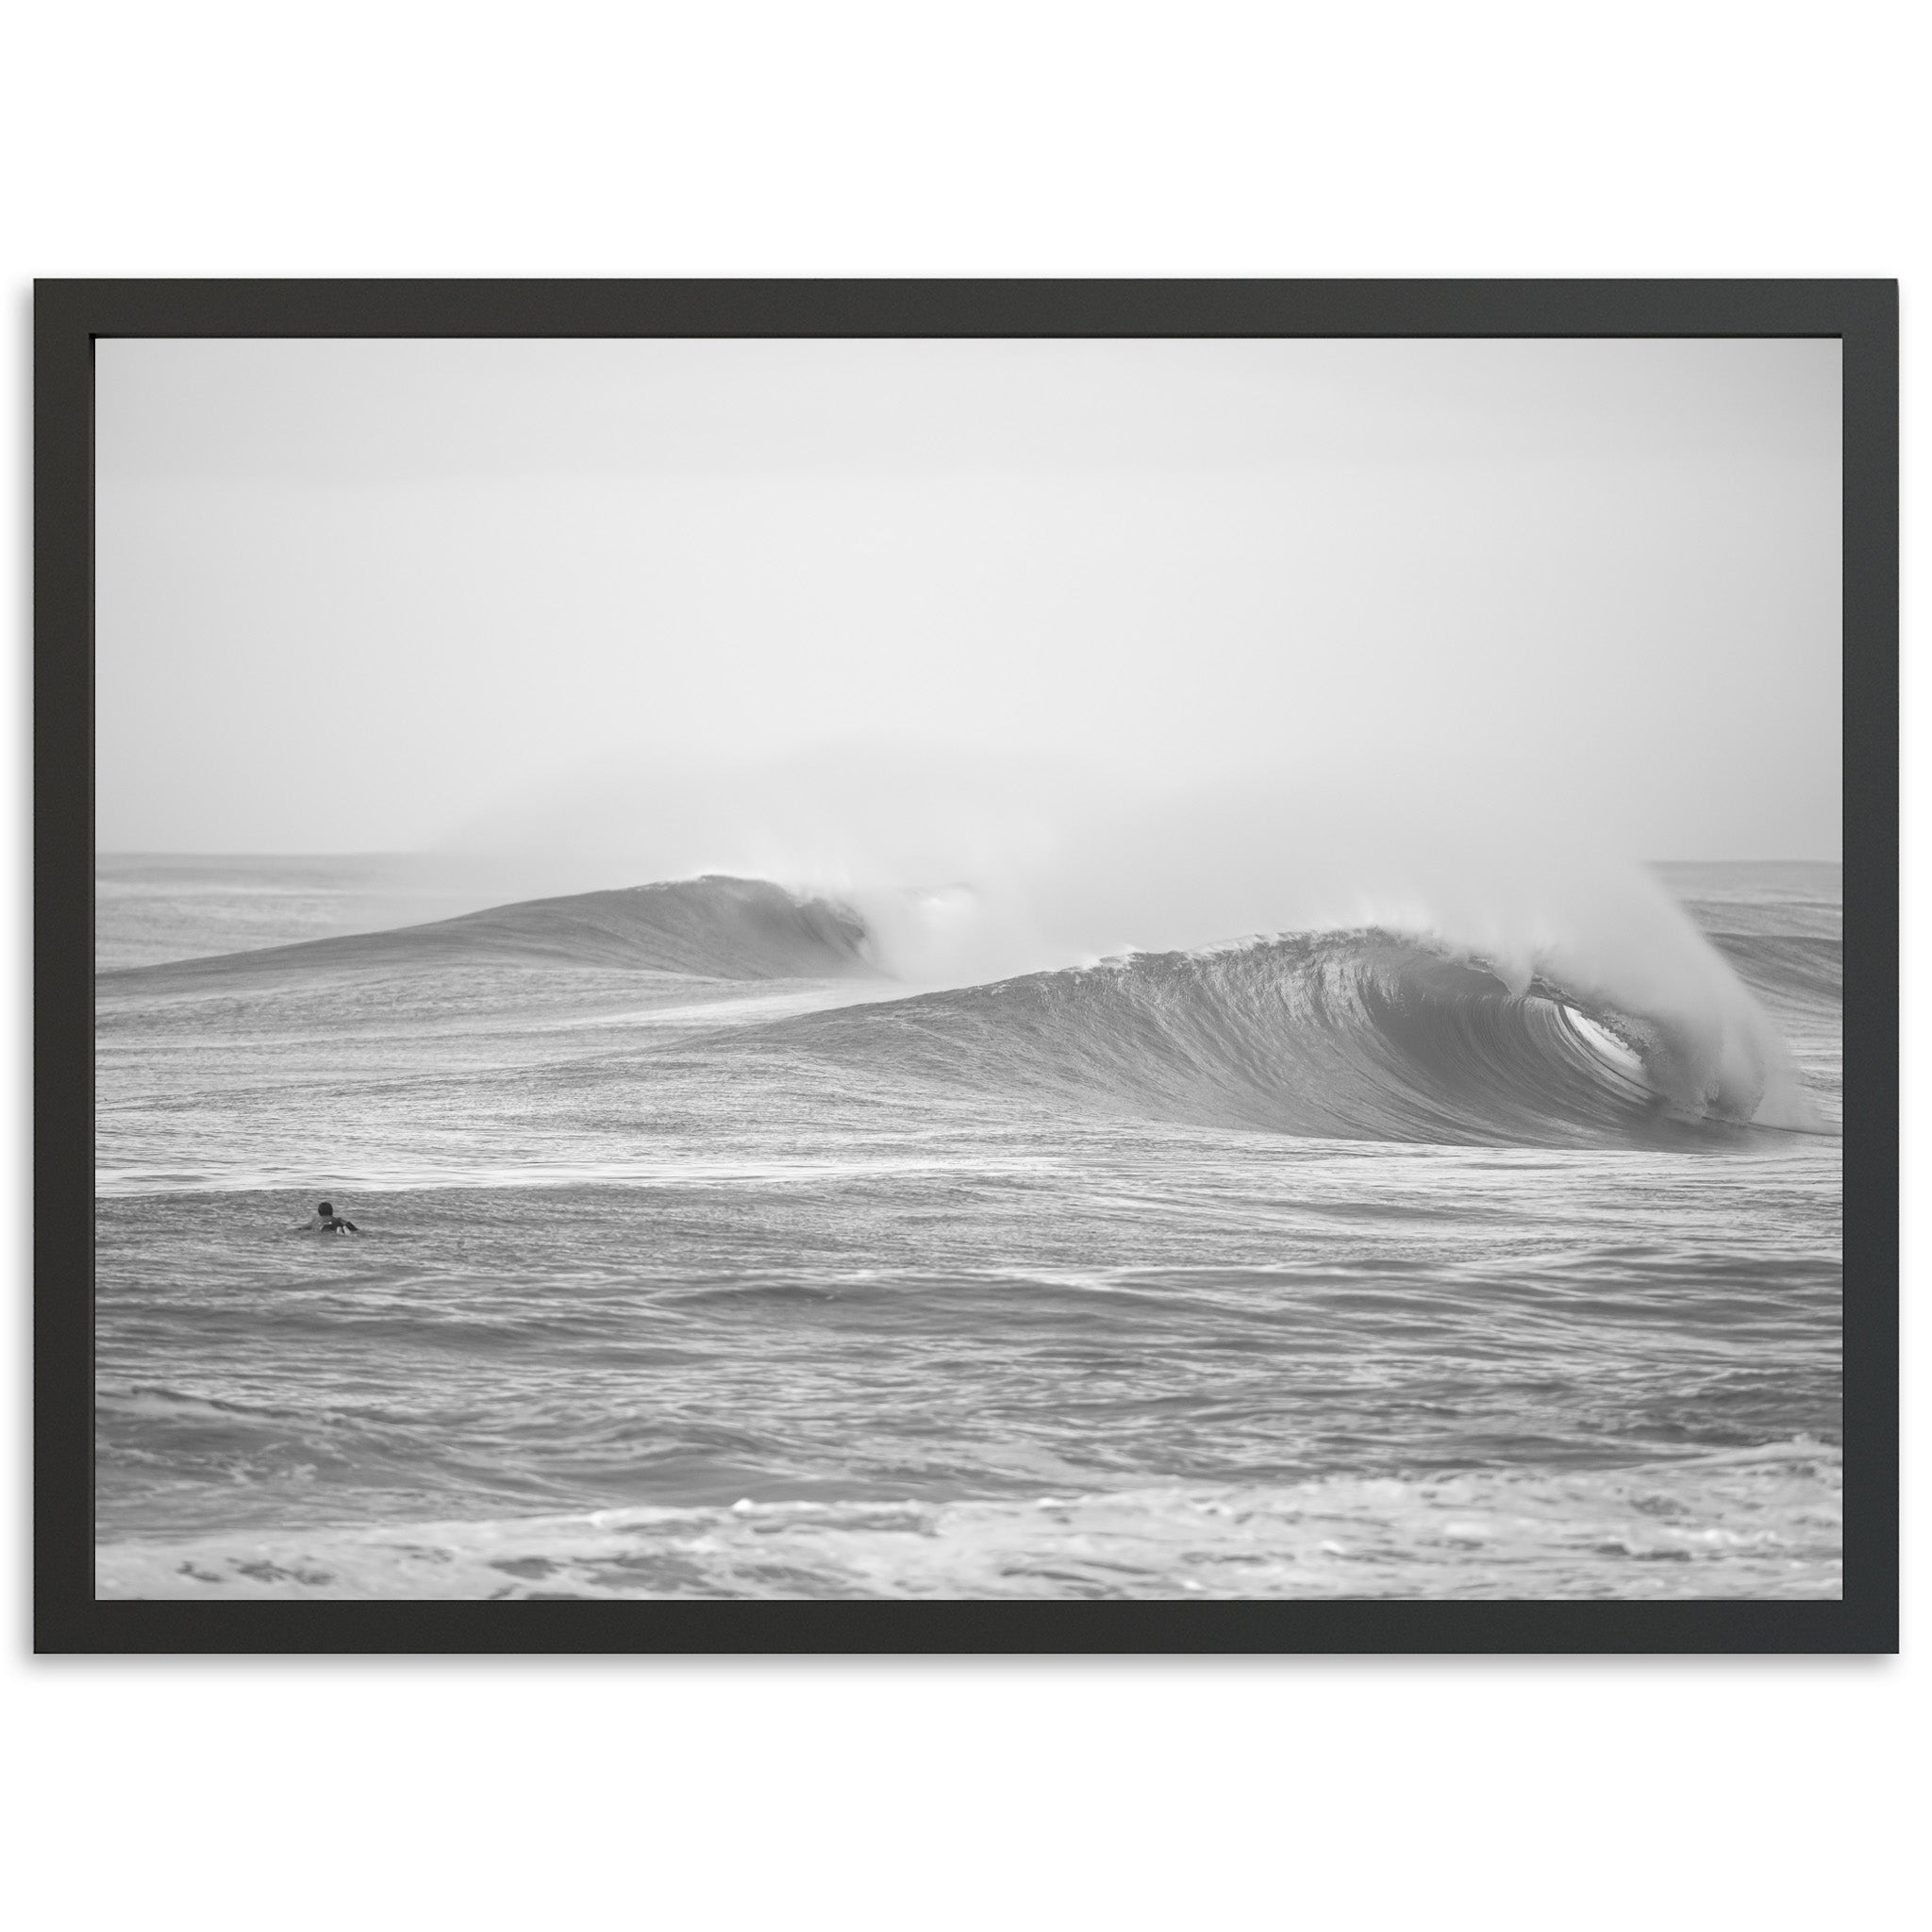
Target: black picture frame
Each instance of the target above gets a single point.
(70, 316)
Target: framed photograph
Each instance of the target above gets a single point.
(966, 966)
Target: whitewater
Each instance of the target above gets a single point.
(727, 1238)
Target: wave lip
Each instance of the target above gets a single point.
(1362, 1035)
(714, 928)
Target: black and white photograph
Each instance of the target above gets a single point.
(964, 967)
(1010, 968)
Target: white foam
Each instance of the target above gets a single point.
(1756, 1523)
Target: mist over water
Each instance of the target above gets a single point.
(966, 869)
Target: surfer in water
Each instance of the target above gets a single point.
(326, 1221)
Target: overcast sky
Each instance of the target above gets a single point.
(369, 596)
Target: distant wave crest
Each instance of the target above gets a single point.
(714, 927)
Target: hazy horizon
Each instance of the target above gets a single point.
(912, 609)
(427, 853)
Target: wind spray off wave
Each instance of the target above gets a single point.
(1368, 1034)
(1478, 982)
(1499, 1029)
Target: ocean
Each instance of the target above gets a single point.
(699, 1257)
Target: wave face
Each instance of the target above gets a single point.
(1786, 968)
(711, 927)
(1363, 1035)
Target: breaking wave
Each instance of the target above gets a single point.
(1357, 1035)
(1635, 1031)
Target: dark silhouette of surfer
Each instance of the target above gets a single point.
(326, 1221)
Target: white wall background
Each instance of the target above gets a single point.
(1039, 139)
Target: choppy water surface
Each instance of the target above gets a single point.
(699, 1259)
